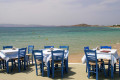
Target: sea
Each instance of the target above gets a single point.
(74, 37)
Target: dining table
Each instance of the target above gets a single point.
(9, 54)
(110, 54)
(47, 54)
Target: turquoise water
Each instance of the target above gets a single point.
(75, 37)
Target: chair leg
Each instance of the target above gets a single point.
(36, 70)
(67, 65)
(108, 67)
(29, 60)
(96, 73)
(115, 67)
(112, 71)
(12, 66)
(52, 70)
(14, 63)
(0, 65)
(62, 70)
(48, 69)
(119, 68)
(19, 63)
(24, 63)
(104, 70)
(7, 65)
(86, 67)
(88, 71)
(42, 69)
(32, 59)
(3, 64)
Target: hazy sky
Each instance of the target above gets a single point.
(60, 12)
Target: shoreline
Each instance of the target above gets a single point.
(76, 58)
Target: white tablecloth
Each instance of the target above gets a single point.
(9, 54)
(47, 54)
(112, 55)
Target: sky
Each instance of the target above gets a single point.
(60, 12)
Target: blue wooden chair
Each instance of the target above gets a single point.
(57, 58)
(3, 61)
(65, 60)
(86, 48)
(45, 47)
(93, 63)
(38, 58)
(106, 61)
(30, 53)
(21, 59)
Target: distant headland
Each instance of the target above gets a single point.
(77, 25)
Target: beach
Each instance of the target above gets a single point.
(74, 37)
(76, 72)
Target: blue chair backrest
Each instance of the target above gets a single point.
(86, 48)
(48, 47)
(65, 47)
(91, 55)
(30, 49)
(57, 55)
(6, 47)
(38, 55)
(22, 52)
(105, 47)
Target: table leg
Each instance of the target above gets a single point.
(112, 71)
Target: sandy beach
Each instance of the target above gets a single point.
(76, 71)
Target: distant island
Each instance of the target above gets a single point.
(86, 25)
(114, 25)
(32, 25)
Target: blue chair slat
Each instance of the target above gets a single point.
(48, 47)
(57, 56)
(66, 60)
(86, 48)
(105, 47)
(30, 48)
(6, 47)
